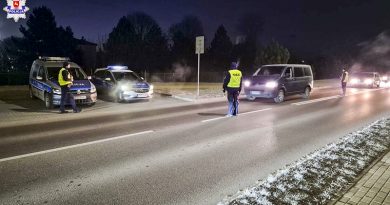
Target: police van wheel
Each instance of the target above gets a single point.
(306, 94)
(280, 97)
(48, 101)
(32, 96)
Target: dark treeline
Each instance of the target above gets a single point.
(139, 42)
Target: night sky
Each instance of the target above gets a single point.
(301, 25)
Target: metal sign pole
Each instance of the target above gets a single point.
(197, 96)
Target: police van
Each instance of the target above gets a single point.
(121, 84)
(44, 82)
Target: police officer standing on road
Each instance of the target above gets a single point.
(232, 84)
(344, 80)
(65, 79)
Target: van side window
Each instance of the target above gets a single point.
(298, 72)
(288, 73)
(307, 71)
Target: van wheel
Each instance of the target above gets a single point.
(306, 94)
(48, 101)
(251, 98)
(32, 96)
(280, 97)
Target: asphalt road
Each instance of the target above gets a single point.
(184, 154)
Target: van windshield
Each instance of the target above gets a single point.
(77, 73)
(269, 71)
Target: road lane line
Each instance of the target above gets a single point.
(73, 146)
(244, 113)
(334, 97)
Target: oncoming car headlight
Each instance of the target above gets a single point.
(247, 83)
(271, 84)
(354, 81)
(368, 81)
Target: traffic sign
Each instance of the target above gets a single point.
(199, 45)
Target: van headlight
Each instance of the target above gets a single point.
(125, 88)
(271, 84)
(384, 78)
(151, 87)
(368, 81)
(247, 83)
(93, 88)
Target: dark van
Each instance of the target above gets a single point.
(279, 80)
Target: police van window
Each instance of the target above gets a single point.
(52, 73)
(41, 73)
(35, 71)
(126, 76)
(307, 71)
(298, 72)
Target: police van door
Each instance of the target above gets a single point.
(41, 83)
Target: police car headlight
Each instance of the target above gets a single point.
(125, 88)
(57, 91)
(247, 83)
(93, 88)
(271, 84)
(384, 78)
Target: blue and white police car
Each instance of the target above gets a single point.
(44, 82)
(121, 84)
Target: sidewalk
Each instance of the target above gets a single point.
(373, 188)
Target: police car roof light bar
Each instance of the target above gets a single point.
(46, 58)
(117, 67)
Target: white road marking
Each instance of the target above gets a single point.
(73, 146)
(334, 97)
(244, 113)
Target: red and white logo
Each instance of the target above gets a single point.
(16, 4)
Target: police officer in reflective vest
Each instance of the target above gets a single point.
(65, 80)
(232, 84)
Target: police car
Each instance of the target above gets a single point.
(121, 84)
(44, 82)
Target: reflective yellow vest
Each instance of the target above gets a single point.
(61, 80)
(235, 79)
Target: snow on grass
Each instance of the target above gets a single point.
(317, 177)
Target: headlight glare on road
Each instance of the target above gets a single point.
(354, 80)
(247, 83)
(271, 84)
(368, 81)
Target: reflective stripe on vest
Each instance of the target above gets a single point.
(235, 79)
(61, 80)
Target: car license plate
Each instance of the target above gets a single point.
(142, 95)
(80, 97)
(255, 92)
